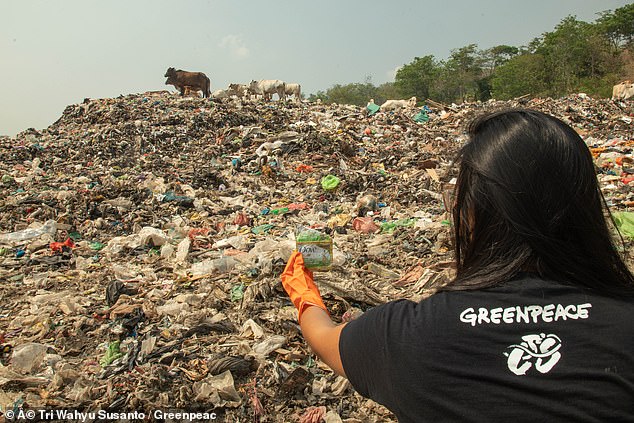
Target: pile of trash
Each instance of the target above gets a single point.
(142, 239)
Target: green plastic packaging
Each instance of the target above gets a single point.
(330, 182)
(111, 354)
(625, 222)
(316, 248)
(372, 108)
(421, 117)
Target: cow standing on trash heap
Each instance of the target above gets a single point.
(240, 90)
(234, 90)
(623, 91)
(220, 94)
(294, 90)
(398, 104)
(267, 87)
(196, 81)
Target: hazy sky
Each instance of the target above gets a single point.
(57, 52)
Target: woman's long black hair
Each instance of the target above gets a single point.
(527, 200)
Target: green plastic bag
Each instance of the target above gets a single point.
(390, 227)
(178, 199)
(372, 108)
(330, 182)
(237, 292)
(96, 245)
(111, 355)
(421, 117)
(624, 221)
(262, 229)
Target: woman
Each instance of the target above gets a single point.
(538, 324)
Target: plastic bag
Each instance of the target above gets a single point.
(624, 221)
(330, 182)
(49, 227)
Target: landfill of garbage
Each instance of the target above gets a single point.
(142, 239)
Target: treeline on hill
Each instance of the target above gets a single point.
(575, 57)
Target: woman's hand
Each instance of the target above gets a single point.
(320, 332)
(299, 285)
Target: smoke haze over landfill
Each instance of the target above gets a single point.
(58, 53)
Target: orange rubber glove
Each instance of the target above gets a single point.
(299, 285)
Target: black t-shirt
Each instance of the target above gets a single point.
(529, 350)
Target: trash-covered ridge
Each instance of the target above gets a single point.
(142, 238)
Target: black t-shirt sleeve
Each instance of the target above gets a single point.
(364, 349)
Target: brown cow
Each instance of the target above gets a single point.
(195, 80)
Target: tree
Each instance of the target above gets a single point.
(490, 60)
(417, 78)
(523, 74)
(321, 96)
(461, 74)
(618, 26)
(618, 30)
(356, 93)
(386, 91)
(496, 56)
(566, 53)
(576, 56)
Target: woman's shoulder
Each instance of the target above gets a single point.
(526, 290)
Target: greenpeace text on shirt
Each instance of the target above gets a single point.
(525, 314)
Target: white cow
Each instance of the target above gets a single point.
(397, 104)
(239, 90)
(623, 91)
(219, 94)
(268, 87)
(294, 90)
